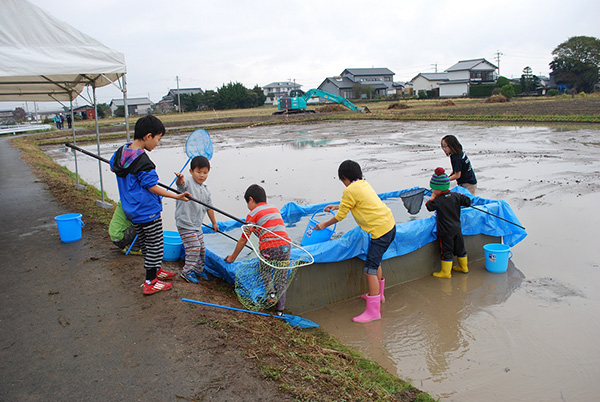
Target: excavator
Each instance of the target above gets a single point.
(296, 102)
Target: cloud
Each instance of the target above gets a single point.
(210, 43)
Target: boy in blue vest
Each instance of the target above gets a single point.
(141, 197)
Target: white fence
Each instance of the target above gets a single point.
(21, 128)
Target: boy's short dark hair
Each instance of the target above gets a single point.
(148, 124)
(350, 170)
(200, 162)
(257, 193)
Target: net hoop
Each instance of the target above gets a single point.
(199, 144)
(299, 260)
(413, 199)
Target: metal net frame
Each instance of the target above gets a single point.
(261, 282)
(413, 200)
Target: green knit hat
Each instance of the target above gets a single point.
(440, 180)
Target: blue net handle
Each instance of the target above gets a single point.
(199, 144)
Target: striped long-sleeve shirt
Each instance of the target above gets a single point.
(268, 217)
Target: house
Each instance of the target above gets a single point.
(403, 88)
(428, 81)
(168, 101)
(380, 80)
(86, 112)
(466, 73)
(135, 106)
(276, 90)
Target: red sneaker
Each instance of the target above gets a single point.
(156, 286)
(162, 274)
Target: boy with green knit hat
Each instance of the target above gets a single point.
(449, 231)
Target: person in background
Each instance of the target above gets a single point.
(189, 217)
(462, 171)
(140, 194)
(375, 218)
(57, 121)
(449, 230)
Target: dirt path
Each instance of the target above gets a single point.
(74, 325)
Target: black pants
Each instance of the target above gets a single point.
(451, 246)
(150, 236)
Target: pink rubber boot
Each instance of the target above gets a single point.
(373, 311)
(381, 288)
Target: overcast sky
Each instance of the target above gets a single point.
(207, 43)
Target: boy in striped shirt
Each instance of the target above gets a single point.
(274, 243)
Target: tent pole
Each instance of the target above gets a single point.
(126, 106)
(78, 185)
(101, 203)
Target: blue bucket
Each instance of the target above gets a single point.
(69, 227)
(496, 257)
(172, 245)
(312, 236)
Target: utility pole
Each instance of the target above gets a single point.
(498, 54)
(435, 66)
(178, 97)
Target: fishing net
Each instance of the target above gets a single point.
(262, 281)
(412, 200)
(199, 144)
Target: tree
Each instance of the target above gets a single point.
(502, 81)
(261, 97)
(19, 114)
(508, 90)
(576, 63)
(208, 100)
(104, 110)
(237, 96)
(120, 111)
(529, 82)
(362, 91)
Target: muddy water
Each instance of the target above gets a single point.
(528, 334)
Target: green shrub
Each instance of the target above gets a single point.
(507, 90)
(502, 81)
(481, 90)
(552, 92)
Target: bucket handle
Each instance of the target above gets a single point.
(319, 211)
(510, 255)
(80, 222)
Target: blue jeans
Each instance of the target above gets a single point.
(377, 247)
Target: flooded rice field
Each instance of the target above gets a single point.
(527, 334)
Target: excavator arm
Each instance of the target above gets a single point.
(331, 97)
(296, 102)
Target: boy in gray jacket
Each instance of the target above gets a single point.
(189, 217)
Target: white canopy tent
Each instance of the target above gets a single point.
(44, 59)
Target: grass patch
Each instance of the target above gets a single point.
(313, 365)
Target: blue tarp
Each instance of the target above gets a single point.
(410, 236)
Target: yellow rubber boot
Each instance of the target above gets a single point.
(462, 265)
(446, 271)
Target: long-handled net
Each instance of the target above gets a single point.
(197, 144)
(263, 281)
(413, 200)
